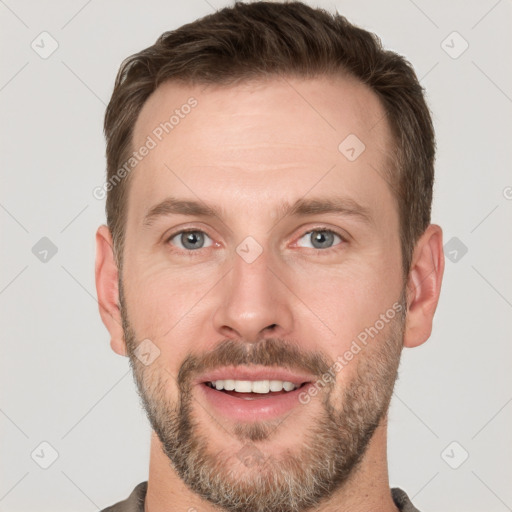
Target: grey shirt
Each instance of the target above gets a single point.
(135, 502)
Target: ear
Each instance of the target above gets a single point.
(424, 286)
(107, 279)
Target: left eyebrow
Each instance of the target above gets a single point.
(344, 206)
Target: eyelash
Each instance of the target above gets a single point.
(321, 229)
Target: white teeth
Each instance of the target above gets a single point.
(276, 385)
(242, 386)
(261, 386)
(256, 386)
(229, 385)
(288, 386)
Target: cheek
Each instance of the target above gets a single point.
(153, 282)
(349, 297)
(163, 304)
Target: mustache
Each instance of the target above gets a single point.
(267, 352)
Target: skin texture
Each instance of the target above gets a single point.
(246, 149)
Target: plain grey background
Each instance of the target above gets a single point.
(450, 421)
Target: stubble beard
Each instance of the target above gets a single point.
(295, 481)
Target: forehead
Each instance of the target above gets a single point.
(260, 140)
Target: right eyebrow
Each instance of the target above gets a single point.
(173, 206)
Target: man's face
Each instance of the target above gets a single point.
(258, 288)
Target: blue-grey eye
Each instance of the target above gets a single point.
(321, 238)
(190, 240)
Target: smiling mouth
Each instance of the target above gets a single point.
(254, 390)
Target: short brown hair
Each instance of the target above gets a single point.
(265, 40)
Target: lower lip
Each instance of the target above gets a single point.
(258, 409)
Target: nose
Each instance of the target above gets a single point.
(253, 301)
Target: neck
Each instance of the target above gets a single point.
(366, 489)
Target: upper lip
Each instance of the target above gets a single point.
(262, 373)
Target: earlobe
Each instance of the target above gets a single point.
(424, 286)
(107, 279)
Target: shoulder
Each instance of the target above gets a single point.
(402, 501)
(134, 502)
